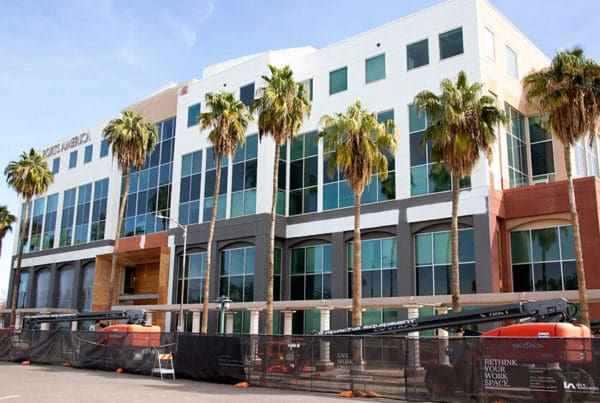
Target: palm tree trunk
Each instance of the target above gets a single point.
(271, 251)
(581, 284)
(211, 233)
(456, 305)
(16, 272)
(113, 265)
(357, 270)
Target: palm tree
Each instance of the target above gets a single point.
(130, 140)
(282, 106)
(30, 177)
(568, 92)
(6, 221)
(357, 142)
(461, 127)
(228, 120)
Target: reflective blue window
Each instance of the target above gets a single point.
(193, 112)
(73, 159)
(87, 154)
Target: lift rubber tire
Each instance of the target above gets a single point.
(440, 382)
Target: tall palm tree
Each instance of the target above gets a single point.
(282, 106)
(6, 221)
(461, 127)
(30, 177)
(130, 140)
(568, 92)
(228, 120)
(357, 142)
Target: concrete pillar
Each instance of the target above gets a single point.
(196, 316)
(74, 326)
(45, 326)
(442, 335)
(18, 321)
(414, 362)
(229, 322)
(254, 320)
(324, 362)
(149, 318)
(287, 322)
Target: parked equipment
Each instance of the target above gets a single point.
(556, 363)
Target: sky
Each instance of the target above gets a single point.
(67, 65)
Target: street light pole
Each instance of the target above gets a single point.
(183, 273)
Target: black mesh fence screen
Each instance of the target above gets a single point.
(411, 369)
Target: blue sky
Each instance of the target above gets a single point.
(67, 65)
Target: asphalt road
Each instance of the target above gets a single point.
(43, 383)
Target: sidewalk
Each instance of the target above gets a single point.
(44, 383)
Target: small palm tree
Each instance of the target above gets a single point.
(461, 127)
(130, 140)
(282, 106)
(357, 142)
(568, 92)
(6, 221)
(228, 120)
(30, 177)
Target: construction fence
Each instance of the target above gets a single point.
(398, 367)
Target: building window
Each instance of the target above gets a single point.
(194, 279)
(150, 187)
(586, 158)
(50, 222)
(433, 264)
(282, 180)
(542, 154)
(304, 168)
(23, 292)
(375, 68)
(189, 191)
(65, 287)
(306, 322)
(73, 159)
(379, 274)
(543, 259)
(87, 288)
(87, 154)
(37, 220)
(490, 48)
(67, 219)
(247, 94)
(517, 149)
(511, 63)
(237, 274)
(209, 186)
(42, 289)
(309, 85)
(451, 43)
(56, 165)
(99, 210)
(28, 225)
(417, 54)
(338, 80)
(426, 175)
(311, 272)
(83, 213)
(193, 112)
(103, 148)
(243, 180)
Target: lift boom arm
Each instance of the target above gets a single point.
(132, 316)
(551, 310)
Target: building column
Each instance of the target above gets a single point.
(254, 320)
(324, 362)
(414, 362)
(148, 318)
(196, 315)
(18, 321)
(442, 335)
(287, 322)
(229, 322)
(254, 316)
(74, 326)
(45, 326)
(77, 278)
